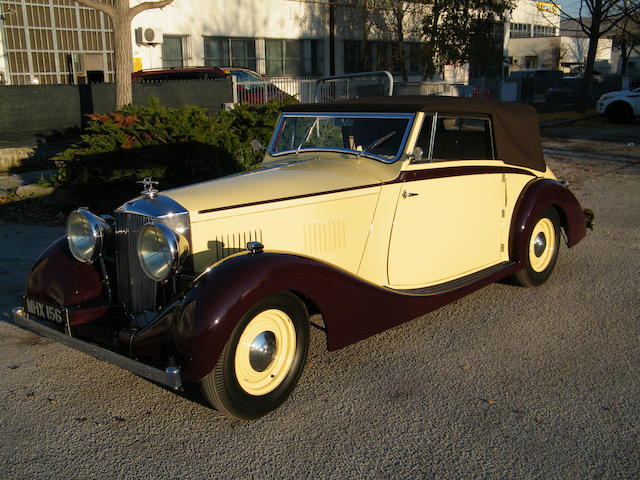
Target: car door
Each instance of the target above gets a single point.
(448, 221)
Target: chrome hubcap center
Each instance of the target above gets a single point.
(539, 244)
(262, 351)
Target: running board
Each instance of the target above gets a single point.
(457, 283)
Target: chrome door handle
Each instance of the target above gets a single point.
(406, 194)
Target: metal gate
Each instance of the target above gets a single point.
(354, 85)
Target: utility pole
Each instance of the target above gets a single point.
(332, 37)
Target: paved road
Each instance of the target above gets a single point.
(506, 383)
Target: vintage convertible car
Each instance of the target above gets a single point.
(371, 212)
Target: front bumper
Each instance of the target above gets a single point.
(169, 377)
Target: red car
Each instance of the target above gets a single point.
(253, 88)
(185, 73)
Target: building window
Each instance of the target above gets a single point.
(316, 64)
(230, 52)
(379, 55)
(352, 56)
(531, 61)
(416, 58)
(544, 31)
(173, 51)
(520, 30)
(37, 45)
(283, 57)
(293, 57)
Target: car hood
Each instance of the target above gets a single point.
(283, 181)
(617, 93)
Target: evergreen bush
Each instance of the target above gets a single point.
(177, 146)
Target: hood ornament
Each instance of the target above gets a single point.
(147, 185)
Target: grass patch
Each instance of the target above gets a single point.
(553, 117)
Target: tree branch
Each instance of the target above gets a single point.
(141, 7)
(98, 5)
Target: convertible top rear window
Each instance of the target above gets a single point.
(379, 136)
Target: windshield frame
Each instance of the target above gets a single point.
(401, 149)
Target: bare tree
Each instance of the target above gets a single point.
(597, 18)
(462, 31)
(392, 21)
(399, 20)
(121, 16)
(626, 38)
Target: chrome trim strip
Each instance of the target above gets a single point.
(169, 377)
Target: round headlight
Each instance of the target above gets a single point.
(161, 250)
(86, 234)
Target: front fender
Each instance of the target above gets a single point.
(536, 197)
(58, 278)
(352, 308)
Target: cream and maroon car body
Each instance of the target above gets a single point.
(367, 237)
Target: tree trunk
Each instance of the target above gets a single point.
(123, 55)
(625, 56)
(399, 18)
(121, 15)
(364, 58)
(430, 67)
(594, 36)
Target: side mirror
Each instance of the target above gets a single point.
(416, 155)
(257, 145)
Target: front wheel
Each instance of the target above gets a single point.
(262, 360)
(542, 250)
(620, 112)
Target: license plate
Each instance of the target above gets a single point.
(44, 310)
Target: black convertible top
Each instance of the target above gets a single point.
(515, 126)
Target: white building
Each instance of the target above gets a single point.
(59, 41)
(273, 37)
(535, 40)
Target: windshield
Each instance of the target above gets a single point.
(380, 136)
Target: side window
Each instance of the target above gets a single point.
(424, 139)
(462, 138)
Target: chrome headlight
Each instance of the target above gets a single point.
(161, 250)
(86, 234)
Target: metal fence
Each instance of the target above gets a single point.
(311, 89)
(370, 84)
(275, 88)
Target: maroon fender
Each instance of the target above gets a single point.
(58, 278)
(536, 197)
(352, 308)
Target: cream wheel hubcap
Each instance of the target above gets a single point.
(542, 244)
(265, 352)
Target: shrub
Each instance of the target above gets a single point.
(177, 146)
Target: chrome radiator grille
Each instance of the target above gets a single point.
(135, 289)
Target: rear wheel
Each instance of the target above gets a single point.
(262, 360)
(620, 112)
(542, 250)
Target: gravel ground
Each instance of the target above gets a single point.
(505, 383)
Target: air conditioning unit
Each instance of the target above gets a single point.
(148, 35)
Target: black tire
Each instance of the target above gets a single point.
(541, 253)
(620, 112)
(248, 383)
